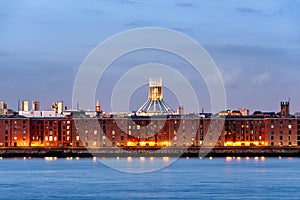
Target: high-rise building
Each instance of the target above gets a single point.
(36, 106)
(3, 105)
(285, 109)
(3, 108)
(180, 110)
(23, 106)
(58, 107)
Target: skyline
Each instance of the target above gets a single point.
(254, 44)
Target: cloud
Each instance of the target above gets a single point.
(261, 79)
(231, 76)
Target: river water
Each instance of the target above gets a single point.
(193, 178)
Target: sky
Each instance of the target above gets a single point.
(255, 45)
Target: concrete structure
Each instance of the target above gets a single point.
(3, 108)
(23, 106)
(284, 109)
(58, 107)
(36, 106)
(155, 105)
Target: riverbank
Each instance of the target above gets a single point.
(153, 152)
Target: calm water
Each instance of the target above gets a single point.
(185, 179)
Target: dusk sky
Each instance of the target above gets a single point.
(255, 44)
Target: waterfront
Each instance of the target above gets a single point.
(193, 178)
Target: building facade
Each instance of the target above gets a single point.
(138, 131)
(14, 131)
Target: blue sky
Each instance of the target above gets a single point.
(255, 44)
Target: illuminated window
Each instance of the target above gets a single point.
(95, 132)
(138, 127)
(289, 126)
(272, 126)
(113, 133)
(50, 138)
(77, 138)
(15, 138)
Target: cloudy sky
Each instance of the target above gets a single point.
(255, 44)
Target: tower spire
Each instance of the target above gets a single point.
(155, 104)
(98, 106)
(155, 89)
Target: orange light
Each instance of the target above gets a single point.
(228, 158)
(142, 159)
(143, 144)
(166, 159)
(129, 159)
(151, 159)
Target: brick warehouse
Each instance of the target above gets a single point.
(173, 130)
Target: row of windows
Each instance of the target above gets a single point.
(281, 132)
(288, 126)
(281, 143)
(281, 137)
